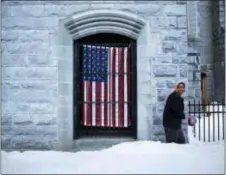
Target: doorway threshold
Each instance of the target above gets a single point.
(98, 143)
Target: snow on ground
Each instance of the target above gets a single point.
(210, 128)
(141, 157)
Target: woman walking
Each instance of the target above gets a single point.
(174, 114)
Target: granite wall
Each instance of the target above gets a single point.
(30, 67)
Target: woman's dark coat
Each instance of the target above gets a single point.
(173, 111)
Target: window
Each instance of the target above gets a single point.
(204, 88)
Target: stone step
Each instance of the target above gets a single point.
(98, 143)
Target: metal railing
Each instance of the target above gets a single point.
(210, 120)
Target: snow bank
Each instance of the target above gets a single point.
(132, 158)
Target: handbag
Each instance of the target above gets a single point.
(192, 120)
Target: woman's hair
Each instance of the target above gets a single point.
(175, 88)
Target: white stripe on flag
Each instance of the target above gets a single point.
(109, 86)
(125, 89)
(93, 103)
(116, 88)
(102, 104)
(85, 103)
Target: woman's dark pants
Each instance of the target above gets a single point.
(174, 135)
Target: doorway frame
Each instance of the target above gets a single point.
(121, 132)
(137, 28)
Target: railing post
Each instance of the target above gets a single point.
(223, 112)
(211, 112)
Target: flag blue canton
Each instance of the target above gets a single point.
(95, 63)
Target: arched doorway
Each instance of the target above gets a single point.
(90, 23)
(105, 89)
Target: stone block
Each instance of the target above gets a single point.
(160, 83)
(169, 47)
(44, 119)
(65, 100)
(41, 96)
(22, 120)
(142, 51)
(65, 66)
(40, 60)
(144, 65)
(181, 2)
(5, 95)
(175, 9)
(29, 73)
(154, 49)
(146, 89)
(197, 93)
(183, 71)
(163, 59)
(162, 94)
(65, 118)
(32, 48)
(6, 130)
(190, 75)
(27, 10)
(197, 75)
(65, 77)
(180, 59)
(62, 52)
(165, 70)
(170, 83)
(42, 108)
(191, 93)
(33, 143)
(158, 131)
(5, 142)
(15, 107)
(61, 10)
(6, 120)
(108, 6)
(25, 36)
(182, 22)
(7, 86)
(65, 89)
(5, 11)
(144, 99)
(41, 131)
(145, 78)
(30, 23)
(160, 138)
(145, 9)
(17, 60)
(163, 22)
(29, 85)
(174, 34)
(13, 73)
(157, 121)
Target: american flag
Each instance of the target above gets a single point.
(106, 86)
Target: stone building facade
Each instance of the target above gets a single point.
(37, 63)
(206, 26)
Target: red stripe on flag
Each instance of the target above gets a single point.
(89, 100)
(106, 104)
(98, 103)
(113, 57)
(121, 87)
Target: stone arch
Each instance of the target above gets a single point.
(91, 22)
(105, 21)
